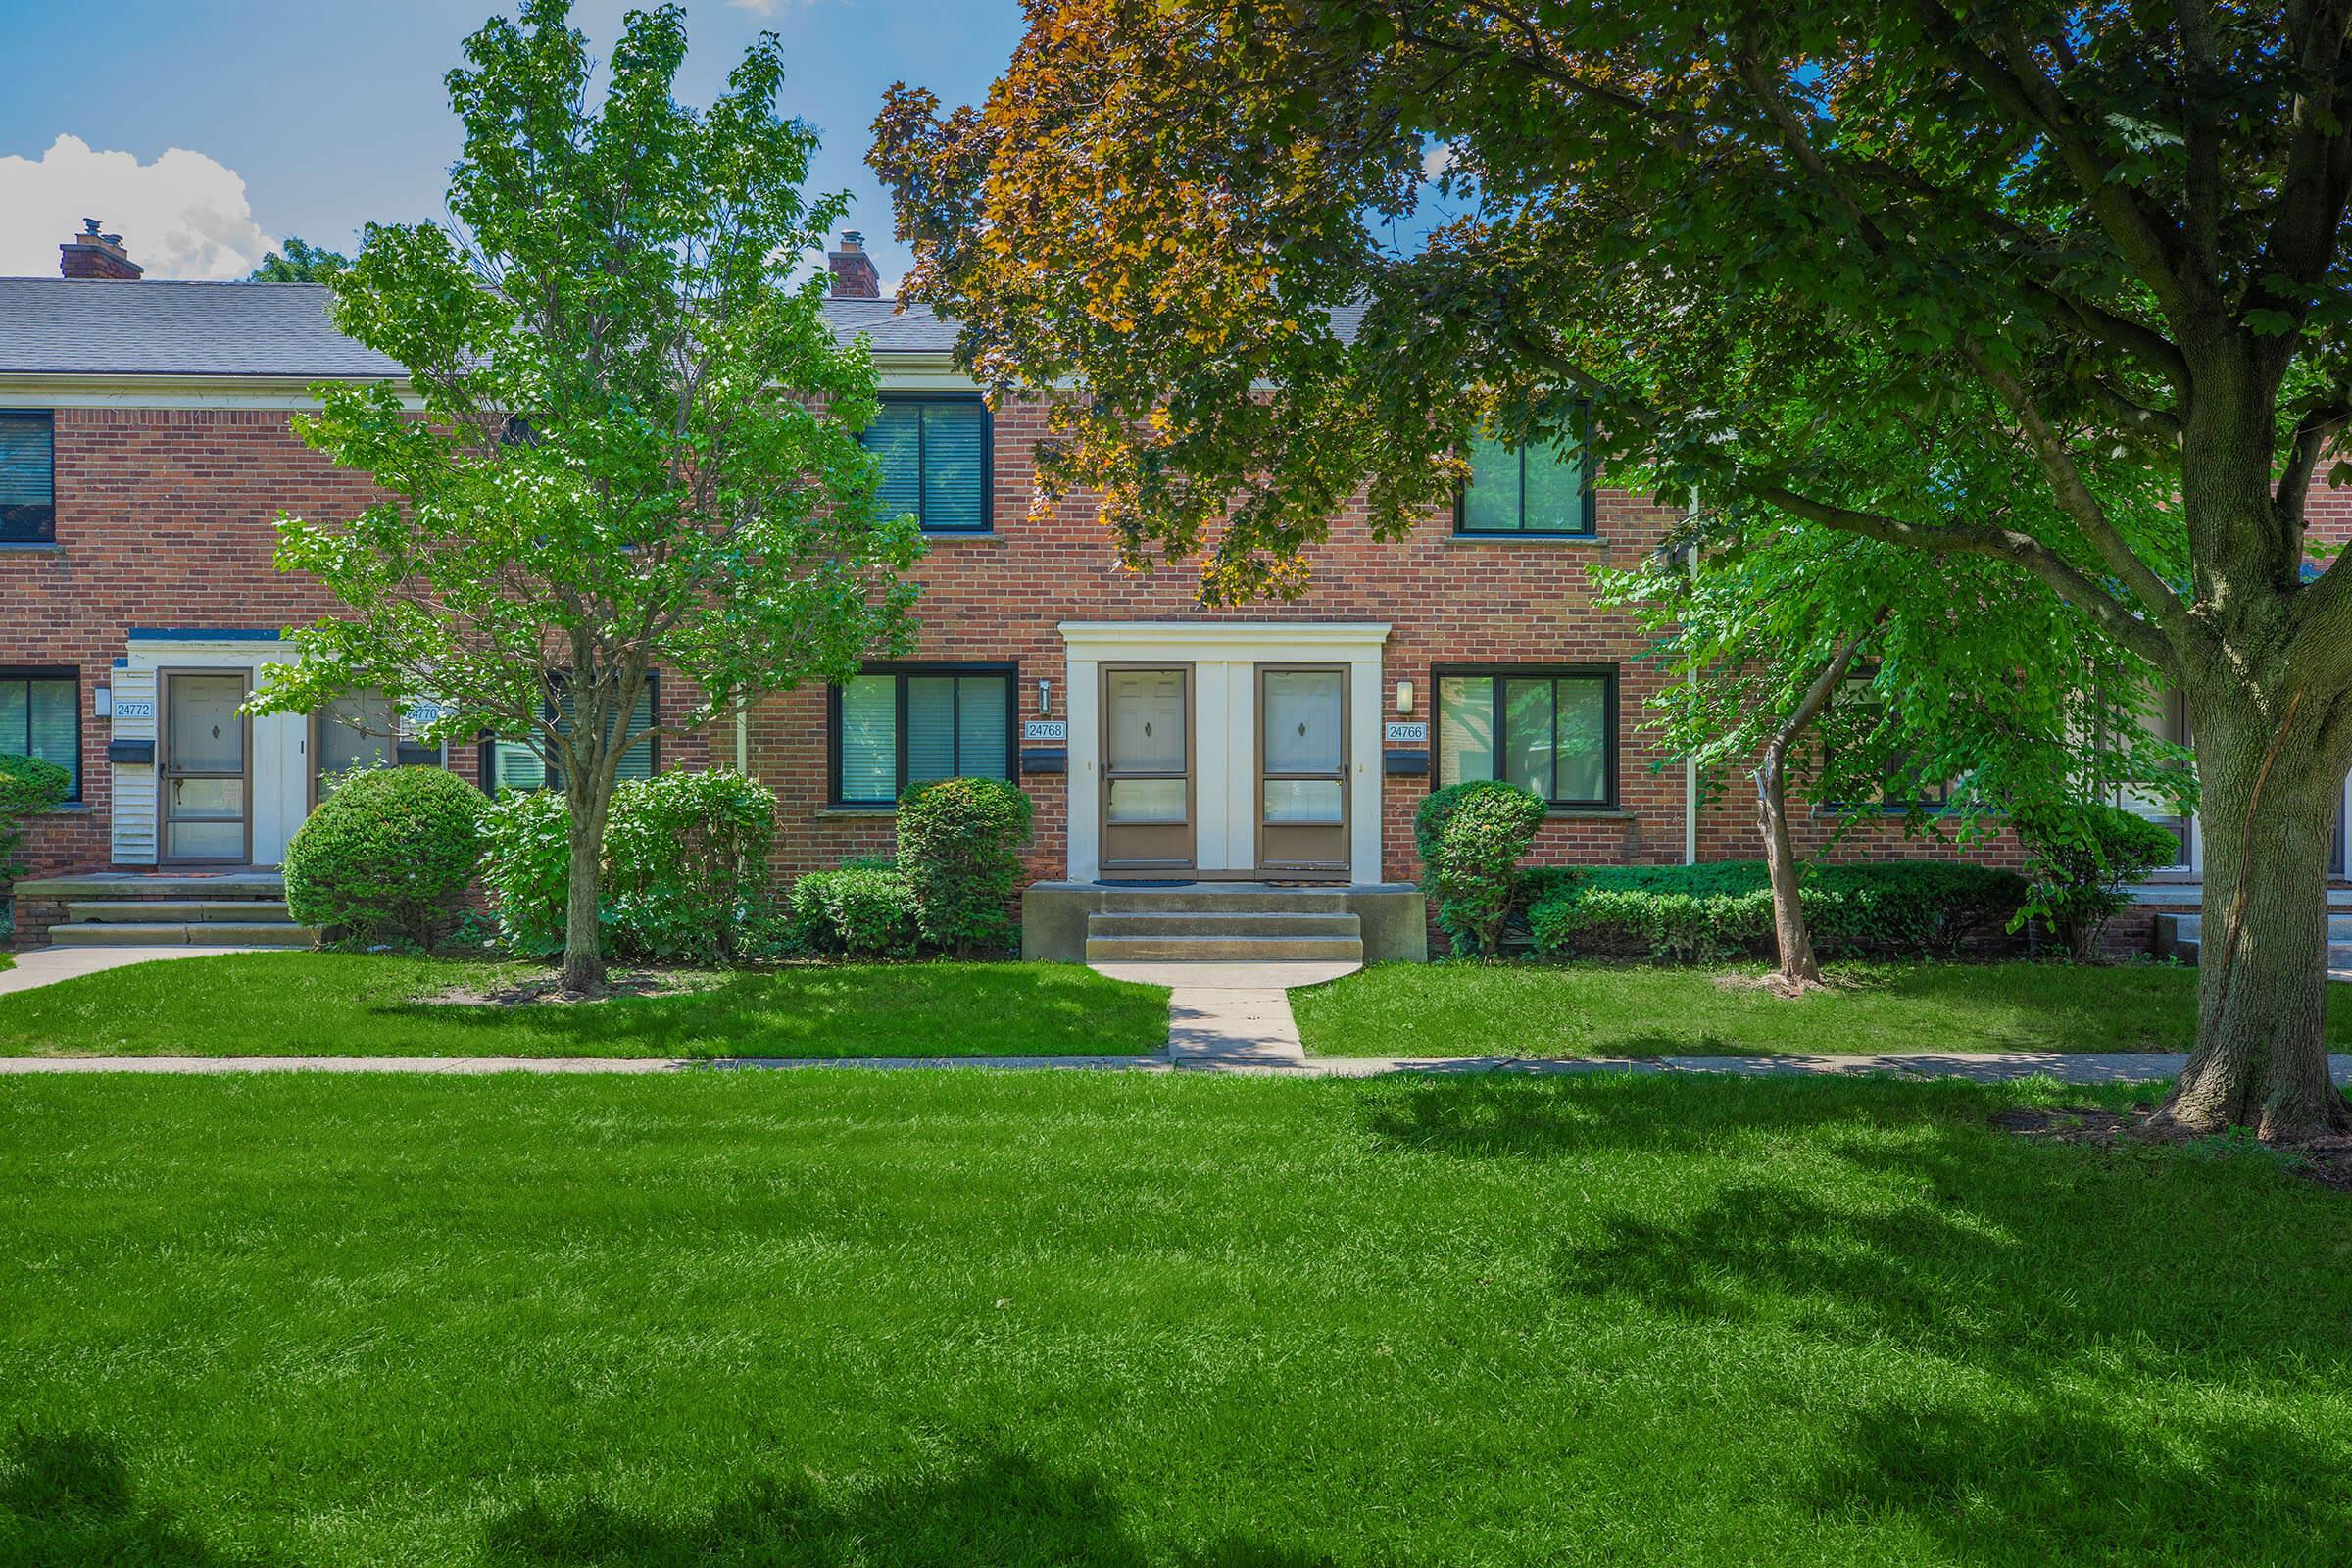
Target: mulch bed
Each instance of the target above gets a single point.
(548, 990)
(2327, 1161)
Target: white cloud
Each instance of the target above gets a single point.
(183, 215)
(1436, 160)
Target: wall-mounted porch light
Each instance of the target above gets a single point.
(1045, 698)
(1405, 697)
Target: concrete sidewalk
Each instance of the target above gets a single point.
(1230, 1014)
(1971, 1066)
(45, 966)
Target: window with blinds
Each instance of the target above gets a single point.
(40, 715)
(1526, 490)
(28, 478)
(1550, 731)
(514, 766)
(934, 455)
(360, 730)
(908, 726)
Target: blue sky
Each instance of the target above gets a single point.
(208, 127)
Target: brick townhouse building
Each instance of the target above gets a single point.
(145, 453)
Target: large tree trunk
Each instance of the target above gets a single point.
(583, 936)
(2270, 795)
(1791, 935)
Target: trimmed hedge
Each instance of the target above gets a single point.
(387, 856)
(28, 786)
(959, 851)
(1471, 836)
(1723, 909)
(863, 911)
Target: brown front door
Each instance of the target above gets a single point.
(206, 792)
(1303, 769)
(1147, 796)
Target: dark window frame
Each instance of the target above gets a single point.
(1607, 674)
(1588, 519)
(40, 530)
(486, 748)
(988, 461)
(70, 674)
(314, 745)
(1010, 670)
(1934, 802)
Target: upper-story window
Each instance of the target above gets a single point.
(901, 726)
(1516, 491)
(514, 766)
(1550, 730)
(40, 715)
(934, 453)
(28, 478)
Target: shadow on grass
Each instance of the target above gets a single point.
(66, 1501)
(1002, 1509)
(2050, 1483)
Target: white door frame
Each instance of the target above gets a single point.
(1224, 657)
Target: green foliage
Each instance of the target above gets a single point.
(387, 856)
(526, 869)
(1471, 837)
(1706, 913)
(959, 844)
(861, 910)
(686, 864)
(299, 263)
(2080, 861)
(640, 445)
(28, 786)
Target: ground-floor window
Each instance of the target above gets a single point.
(514, 766)
(363, 729)
(904, 724)
(40, 715)
(1551, 730)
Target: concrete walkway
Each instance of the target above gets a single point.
(45, 966)
(1230, 1014)
(1970, 1066)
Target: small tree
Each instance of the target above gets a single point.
(638, 445)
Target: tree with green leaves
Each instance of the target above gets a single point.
(299, 262)
(628, 440)
(2121, 228)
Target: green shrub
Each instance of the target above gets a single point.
(29, 787)
(526, 868)
(959, 844)
(686, 865)
(2080, 859)
(1721, 910)
(387, 856)
(1471, 837)
(862, 911)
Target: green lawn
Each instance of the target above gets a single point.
(326, 1004)
(949, 1319)
(1591, 1009)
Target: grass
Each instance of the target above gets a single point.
(1009, 1319)
(326, 1003)
(1590, 1010)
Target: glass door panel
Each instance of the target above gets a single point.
(1302, 769)
(1147, 769)
(205, 786)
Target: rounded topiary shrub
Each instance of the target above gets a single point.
(686, 864)
(866, 912)
(387, 856)
(960, 849)
(1471, 837)
(2081, 858)
(29, 787)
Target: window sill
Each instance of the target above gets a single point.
(973, 536)
(1588, 814)
(856, 811)
(67, 809)
(1526, 539)
(31, 547)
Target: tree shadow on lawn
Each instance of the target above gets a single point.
(818, 1011)
(1001, 1509)
(66, 1501)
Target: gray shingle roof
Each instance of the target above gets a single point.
(74, 326)
(54, 325)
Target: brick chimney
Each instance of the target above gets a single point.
(91, 254)
(853, 274)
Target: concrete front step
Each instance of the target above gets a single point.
(1276, 923)
(2339, 953)
(176, 911)
(1223, 950)
(1211, 897)
(180, 933)
(2190, 927)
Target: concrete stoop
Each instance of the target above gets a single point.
(2180, 936)
(238, 909)
(1230, 922)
